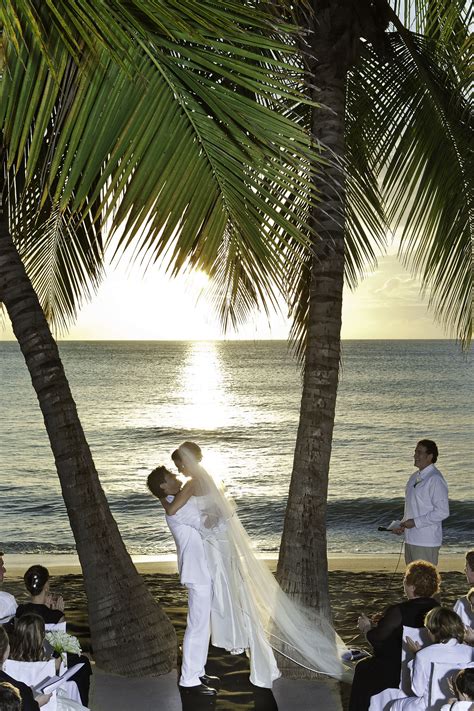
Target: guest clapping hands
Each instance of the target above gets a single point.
(43, 603)
(382, 670)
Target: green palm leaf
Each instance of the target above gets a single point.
(174, 142)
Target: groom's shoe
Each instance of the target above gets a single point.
(212, 681)
(200, 689)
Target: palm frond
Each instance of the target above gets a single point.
(175, 143)
(421, 141)
(63, 256)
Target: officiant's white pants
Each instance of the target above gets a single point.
(196, 637)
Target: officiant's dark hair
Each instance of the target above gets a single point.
(430, 447)
(155, 479)
(176, 457)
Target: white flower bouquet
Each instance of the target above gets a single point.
(63, 642)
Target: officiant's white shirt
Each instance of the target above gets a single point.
(426, 502)
(184, 526)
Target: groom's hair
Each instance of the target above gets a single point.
(176, 457)
(194, 448)
(155, 479)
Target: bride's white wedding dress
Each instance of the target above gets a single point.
(235, 623)
(250, 611)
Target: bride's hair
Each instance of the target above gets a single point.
(155, 479)
(176, 457)
(194, 448)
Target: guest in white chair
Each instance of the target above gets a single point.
(382, 671)
(8, 604)
(27, 646)
(447, 631)
(51, 609)
(29, 702)
(463, 688)
(465, 605)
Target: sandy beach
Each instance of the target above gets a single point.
(358, 583)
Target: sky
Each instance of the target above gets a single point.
(131, 305)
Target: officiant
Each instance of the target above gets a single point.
(426, 506)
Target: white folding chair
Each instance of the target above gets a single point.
(417, 634)
(56, 627)
(463, 609)
(441, 672)
(33, 673)
(384, 700)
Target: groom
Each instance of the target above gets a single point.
(194, 574)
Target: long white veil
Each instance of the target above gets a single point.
(307, 638)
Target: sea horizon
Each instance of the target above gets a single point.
(137, 400)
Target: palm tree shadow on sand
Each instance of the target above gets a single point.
(236, 693)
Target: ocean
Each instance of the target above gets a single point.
(240, 401)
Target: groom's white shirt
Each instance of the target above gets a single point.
(184, 526)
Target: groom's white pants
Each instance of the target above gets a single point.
(196, 636)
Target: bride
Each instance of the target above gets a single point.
(250, 611)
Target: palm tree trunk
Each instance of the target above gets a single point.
(302, 566)
(130, 633)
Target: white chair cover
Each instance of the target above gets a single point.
(57, 627)
(439, 687)
(384, 700)
(463, 609)
(32, 673)
(417, 634)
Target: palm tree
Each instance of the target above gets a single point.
(138, 116)
(393, 117)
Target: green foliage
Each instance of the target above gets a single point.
(143, 112)
(408, 161)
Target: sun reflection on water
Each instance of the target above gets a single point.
(205, 399)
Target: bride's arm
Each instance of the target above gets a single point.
(183, 495)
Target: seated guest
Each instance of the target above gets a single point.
(463, 688)
(7, 602)
(52, 611)
(10, 699)
(447, 632)
(29, 702)
(464, 607)
(382, 670)
(27, 646)
(42, 602)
